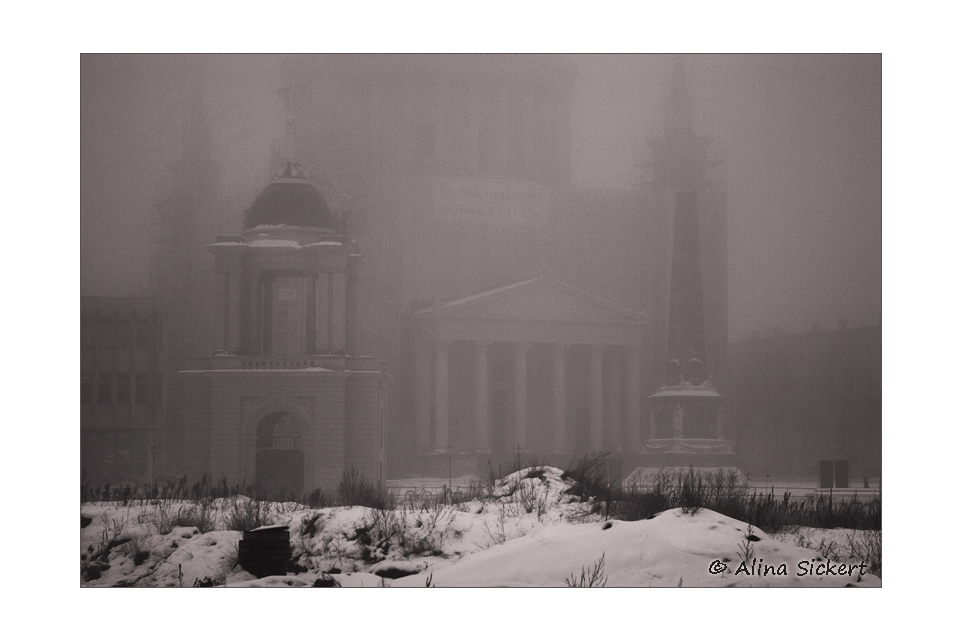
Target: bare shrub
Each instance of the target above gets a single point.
(746, 548)
(355, 490)
(593, 577)
(319, 498)
(245, 514)
(138, 549)
(199, 514)
(866, 546)
(588, 475)
(415, 532)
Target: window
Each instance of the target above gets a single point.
(158, 391)
(143, 335)
(105, 332)
(424, 155)
(87, 327)
(86, 388)
(124, 333)
(141, 389)
(123, 389)
(277, 431)
(105, 384)
(487, 163)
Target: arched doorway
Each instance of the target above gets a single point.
(279, 473)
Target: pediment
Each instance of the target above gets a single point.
(540, 299)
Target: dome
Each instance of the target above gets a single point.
(290, 199)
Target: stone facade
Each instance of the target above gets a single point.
(123, 390)
(286, 403)
(799, 399)
(334, 416)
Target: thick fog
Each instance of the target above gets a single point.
(799, 137)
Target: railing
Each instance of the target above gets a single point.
(229, 361)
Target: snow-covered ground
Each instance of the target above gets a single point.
(525, 531)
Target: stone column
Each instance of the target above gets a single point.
(597, 397)
(633, 420)
(267, 313)
(222, 304)
(521, 394)
(352, 317)
(234, 311)
(441, 436)
(559, 398)
(310, 314)
(613, 427)
(330, 311)
(422, 400)
(483, 429)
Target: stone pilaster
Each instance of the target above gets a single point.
(521, 394)
(422, 400)
(441, 428)
(483, 430)
(597, 397)
(560, 419)
(633, 420)
(310, 320)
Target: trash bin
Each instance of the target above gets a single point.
(265, 551)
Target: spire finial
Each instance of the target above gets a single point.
(286, 94)
(679, 106)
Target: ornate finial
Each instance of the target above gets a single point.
(290, 169)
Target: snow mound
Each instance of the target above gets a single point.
(526, 529)
(675, 548)
(542, 482)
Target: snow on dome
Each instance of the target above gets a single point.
(685, 391)
(274, 243)
(290, 199)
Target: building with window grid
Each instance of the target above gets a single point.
(123, 390)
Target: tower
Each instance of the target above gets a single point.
(286, 403)
(691, 290)
(179, 265)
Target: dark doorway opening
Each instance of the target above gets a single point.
(279, 471)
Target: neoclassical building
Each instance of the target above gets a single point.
(123, 390)
(286, 402)
(456, 172)
(538, 367)
(507, 309)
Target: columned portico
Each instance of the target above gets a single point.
(505, 375)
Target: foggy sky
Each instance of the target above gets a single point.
(800, 137)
